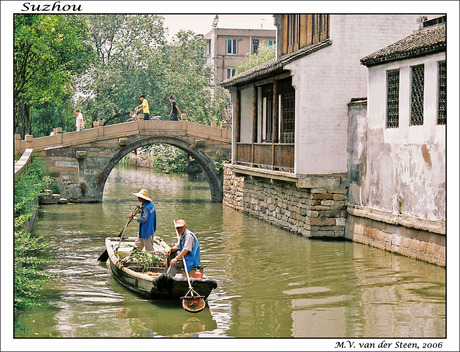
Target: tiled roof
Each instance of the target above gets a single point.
(272, 65)
(425, 41)
(259, 70)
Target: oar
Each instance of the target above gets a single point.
(104, 256)
(193, 303)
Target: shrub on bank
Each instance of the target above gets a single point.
(169, 159)
(27, 273)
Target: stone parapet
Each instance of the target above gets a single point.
(21, 164)
(183, 128)
(80, 161)
(438, 227)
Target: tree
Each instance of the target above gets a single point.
(48, 50)
(125, 45)
(133, 58)
(264, 54)
(101, 64)
(188, 77)
(58, 113)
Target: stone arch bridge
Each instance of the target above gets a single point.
(80, 162)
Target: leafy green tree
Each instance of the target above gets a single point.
(101, 64)
(125, 46)
(170, 159)
(133, 58)
(188, 77)
(44, 117)
(264, 54)
(48, 51)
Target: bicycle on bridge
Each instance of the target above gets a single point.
(134, 116)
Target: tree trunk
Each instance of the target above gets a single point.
(27, 120)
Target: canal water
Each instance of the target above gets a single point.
(271, 283)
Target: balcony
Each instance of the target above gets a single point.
(271, 156)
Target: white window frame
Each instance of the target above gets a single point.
(234, 46)
(230, 72)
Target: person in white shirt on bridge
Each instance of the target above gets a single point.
(79, 123)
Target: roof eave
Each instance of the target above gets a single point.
(277, 65)
(421, 51)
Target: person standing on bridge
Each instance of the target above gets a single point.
(174, 110)
(147, 222)
(79, 122)
(145, 107)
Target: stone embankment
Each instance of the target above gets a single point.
(137, 160)
(315, 210)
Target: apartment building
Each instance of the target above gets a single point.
(228, 47)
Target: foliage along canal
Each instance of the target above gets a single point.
(271, 283)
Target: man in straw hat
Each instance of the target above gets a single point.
(189, 250)
(147, 222)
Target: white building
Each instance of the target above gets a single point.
(290, 119)
(397, 169)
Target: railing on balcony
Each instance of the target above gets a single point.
(272, 156)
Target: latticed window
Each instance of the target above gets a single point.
(442, 93)
(393, 98)
(287, 93)
(417, 89)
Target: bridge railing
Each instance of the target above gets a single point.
(60, 139)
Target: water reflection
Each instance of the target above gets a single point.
(271, 283)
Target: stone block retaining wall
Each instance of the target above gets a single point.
(311, 212)
(410, 242)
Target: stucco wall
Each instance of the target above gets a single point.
(326, 80)
(357, 148)
(405, 171)
(397, 190)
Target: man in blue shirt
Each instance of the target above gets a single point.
(147, 222)
(174, 110)
(188, 249)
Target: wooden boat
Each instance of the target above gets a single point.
(151, 282)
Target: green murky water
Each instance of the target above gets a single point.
(271, 283)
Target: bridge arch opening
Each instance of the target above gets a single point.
(206, 163)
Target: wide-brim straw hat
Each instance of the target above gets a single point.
(179, 223)
(144, 194)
